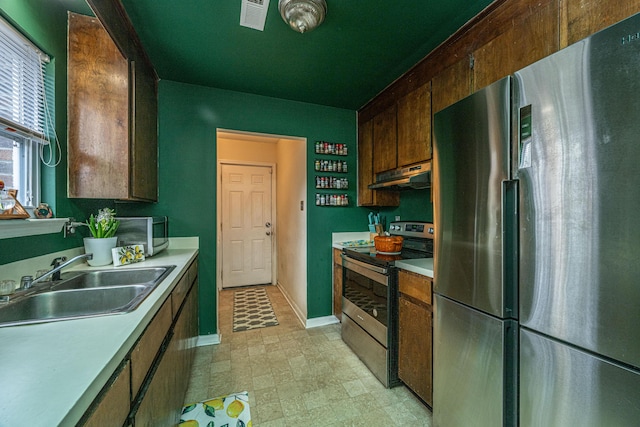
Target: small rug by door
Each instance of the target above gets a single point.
(231, 410)
(252, 309)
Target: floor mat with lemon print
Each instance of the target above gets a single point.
(226, 411)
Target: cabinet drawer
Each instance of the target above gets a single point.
(183, 286)
(193, 271)
(415, 285)
(179, 292)
(146, 349)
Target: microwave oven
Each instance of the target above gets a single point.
(152, 232)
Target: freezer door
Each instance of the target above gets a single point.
(474, 367)
(578, 157)
(472, 148)
(562, 386)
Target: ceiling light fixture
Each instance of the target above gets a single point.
(303, 15)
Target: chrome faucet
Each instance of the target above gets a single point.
(58, 264)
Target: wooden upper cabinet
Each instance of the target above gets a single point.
(366, 196)
(112, 118)
(585, 17)
(98, 112)
(531, 38)
(144, 131)
(451, 85)
(414, 126)
(385, 140)
(365, 163)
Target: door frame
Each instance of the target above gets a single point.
(274, 225)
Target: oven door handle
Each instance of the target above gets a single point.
(373, 272)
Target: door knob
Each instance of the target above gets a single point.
(267, 224)
(268, 233)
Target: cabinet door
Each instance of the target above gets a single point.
(98, 112)
(155, 408)
(367, 197)
(582, 18)
(526, 41)
(451, 85)
(415, 347)
(148, 346)
(385, 140)
(164, 397)
(144, 132)
(414, 126)
(113, 407)
(337, 283)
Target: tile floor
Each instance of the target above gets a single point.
(296, 376)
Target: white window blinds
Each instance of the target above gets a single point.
(22, 94)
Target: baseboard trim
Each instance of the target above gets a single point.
(296, 310)
(321, 321)
(204, 340)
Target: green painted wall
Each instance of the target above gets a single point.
(189, 116)
(45, 23)
(188, 119)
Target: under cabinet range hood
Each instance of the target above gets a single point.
(410, 177)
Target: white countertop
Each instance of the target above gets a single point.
(337, 239)
(422, 266)
(51, 372)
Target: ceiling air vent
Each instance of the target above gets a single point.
(253, 13)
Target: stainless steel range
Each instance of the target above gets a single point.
(370, 298)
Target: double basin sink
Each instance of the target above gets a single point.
(83, 294)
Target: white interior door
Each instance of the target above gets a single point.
(246, 225)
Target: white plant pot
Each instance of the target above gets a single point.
(101, 250)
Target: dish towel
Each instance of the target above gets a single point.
(231, 410)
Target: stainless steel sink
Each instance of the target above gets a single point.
(102, 278)
(88, 294)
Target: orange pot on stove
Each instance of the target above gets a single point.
(388, 244)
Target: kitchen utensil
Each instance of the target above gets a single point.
(379, 229)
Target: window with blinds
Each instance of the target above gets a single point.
(22, 113)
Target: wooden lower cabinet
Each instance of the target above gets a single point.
(415, 345)
(146, 349)
(148, 388)
(113, 407)
(337, 283)
(162, 397)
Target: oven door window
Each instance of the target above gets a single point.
(367, 294)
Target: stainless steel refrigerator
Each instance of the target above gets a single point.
(475, 311)
(577, 158)
(537, 279)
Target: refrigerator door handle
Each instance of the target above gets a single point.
(510, 247)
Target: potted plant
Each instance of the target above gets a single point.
(103, 228)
